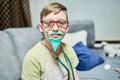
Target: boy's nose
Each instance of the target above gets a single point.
(55, 27)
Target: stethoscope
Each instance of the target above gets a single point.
(59, 60)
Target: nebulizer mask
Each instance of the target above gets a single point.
(55, 38)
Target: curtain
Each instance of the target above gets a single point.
(14, 13)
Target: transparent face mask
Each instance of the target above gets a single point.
(55, 42)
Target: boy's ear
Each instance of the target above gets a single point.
(40, 27)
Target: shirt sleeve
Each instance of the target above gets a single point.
(31, 69)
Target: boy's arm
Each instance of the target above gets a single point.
(30, 69)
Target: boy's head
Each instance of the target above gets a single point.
(54, 18)
(54, 23)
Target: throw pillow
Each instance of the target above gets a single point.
(72, 38)
(87, 58)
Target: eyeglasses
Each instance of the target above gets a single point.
(62, 24)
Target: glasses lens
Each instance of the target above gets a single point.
(62, 24)
(47, 23)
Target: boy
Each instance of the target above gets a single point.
(51, 59)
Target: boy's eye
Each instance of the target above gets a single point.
(61, 22)
(48, 22)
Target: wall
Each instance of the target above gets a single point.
(104, 13)
(35, 7)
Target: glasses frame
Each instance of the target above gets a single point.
(49, 24)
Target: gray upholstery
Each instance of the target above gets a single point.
(87, 25)
(9, 65)
(100, 73)
(23, 39)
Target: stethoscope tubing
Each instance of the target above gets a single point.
(59, 60)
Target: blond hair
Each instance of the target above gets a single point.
(53, 7)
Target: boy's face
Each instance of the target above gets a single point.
(54, 23)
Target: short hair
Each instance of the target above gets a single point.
(53, 7)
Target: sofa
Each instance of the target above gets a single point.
(15, 42)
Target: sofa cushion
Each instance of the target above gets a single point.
(73, 38)
(87, 25)
(24, 39)
(9, 65)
